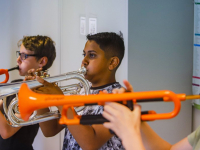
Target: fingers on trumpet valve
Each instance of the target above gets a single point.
(32, 73)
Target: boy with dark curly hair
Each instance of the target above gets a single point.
(102, 54)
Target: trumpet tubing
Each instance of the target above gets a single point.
(30, 101)
(13, 88)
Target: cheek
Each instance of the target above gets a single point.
(95, 69)
(23, 70)
(92, 67)
(25, 66)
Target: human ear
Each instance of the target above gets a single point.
(43, 61)
(113, 63)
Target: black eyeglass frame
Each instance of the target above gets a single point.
(25, 55)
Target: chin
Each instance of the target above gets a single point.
(88, 78)
(21, 74)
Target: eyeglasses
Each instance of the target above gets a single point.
(23, 56)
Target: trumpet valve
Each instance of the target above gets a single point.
(46, 74)
(36, 74)
(42, 74)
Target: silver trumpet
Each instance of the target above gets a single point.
(13, 88)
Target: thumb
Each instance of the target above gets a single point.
(137, 109)
(128, 86)
(42, 81)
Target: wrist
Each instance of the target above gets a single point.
(133, 141)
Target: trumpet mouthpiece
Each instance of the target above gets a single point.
(82, 70)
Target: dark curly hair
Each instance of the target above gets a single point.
(42, 46)
(111, 43)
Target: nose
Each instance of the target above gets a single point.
(19, 61)
(85, 62)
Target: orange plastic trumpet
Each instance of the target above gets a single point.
(5, 71)
(30, 101)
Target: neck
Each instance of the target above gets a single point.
(103, 82)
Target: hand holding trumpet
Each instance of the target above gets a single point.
(32, 73)
(47, 88)
(125, 123)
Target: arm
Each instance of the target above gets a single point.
(182, 145)
(98, 135)
(95, 134)
(49, 128)
(153, 141)
(6, 130)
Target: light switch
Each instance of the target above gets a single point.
(82, 26)
(92, 25)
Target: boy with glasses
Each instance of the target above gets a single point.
(36, 52)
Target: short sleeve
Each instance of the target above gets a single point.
(194, 137)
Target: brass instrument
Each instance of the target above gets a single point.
(30, 101)
(13, 88)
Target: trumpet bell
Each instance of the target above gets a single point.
(24, 93)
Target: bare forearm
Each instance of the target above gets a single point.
(3, 125)
(152, 140)
(49, 128)
(6, 130)
(133, 141)
(95, 134)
